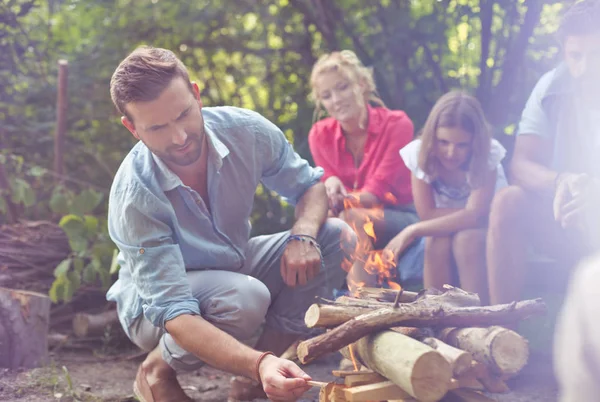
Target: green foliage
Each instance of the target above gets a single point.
(93, 256)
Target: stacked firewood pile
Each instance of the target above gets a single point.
(29, 252)
(424, 346)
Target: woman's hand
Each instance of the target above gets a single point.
(336, 192)
(402, 241)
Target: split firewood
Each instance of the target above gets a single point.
(93, 324)
(415, 316)
(362, 379)
(504, 351)
(460, 361)
(332, 392)
(415, 367)
(381, 391)
(24, 321)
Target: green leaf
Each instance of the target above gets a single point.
(86, 202)
(91, 224)
(78, 264)
(59, 203)
(62, 268)
(28, 196)
(2, 205)
(57, 290)
(114, 264)
(68, 291)
(89, 274)
(78, 244)
(73, 226)
(75, 279)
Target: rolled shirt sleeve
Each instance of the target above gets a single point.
(136, 224)
(283, 170)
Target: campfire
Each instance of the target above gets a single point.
(428, 346)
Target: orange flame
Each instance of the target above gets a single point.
(376, 262)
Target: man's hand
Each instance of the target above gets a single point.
(336, 192)
(573, 198)
(300, 263)
(282, 380)
(402, 241)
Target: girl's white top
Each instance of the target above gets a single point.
(446, 196)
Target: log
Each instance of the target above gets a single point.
(502, 350)
(460, 361)
(329, 316)
(387, 295)
(24, 322)
(93, 324)
(362, 379)
(415, 316)
(375, 392)
(415, 367)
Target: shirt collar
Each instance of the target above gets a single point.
(373, 129)
(217, 152)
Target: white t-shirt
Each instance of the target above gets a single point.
(446, 196)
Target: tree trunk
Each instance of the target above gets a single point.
(415, 367)
(415, 316)
(24, 321)
(504, 351)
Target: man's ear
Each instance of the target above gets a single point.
(129, 125)
(197, 92)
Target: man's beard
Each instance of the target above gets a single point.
(192, 154)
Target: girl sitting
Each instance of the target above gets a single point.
(456, 170)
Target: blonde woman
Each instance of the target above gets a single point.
(456, 171)
(357, 146)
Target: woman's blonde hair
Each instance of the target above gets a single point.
(457, 109)
(347, 63)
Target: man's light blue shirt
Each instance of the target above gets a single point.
(163, 228)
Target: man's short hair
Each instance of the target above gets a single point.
(582, 18)
(144, 75)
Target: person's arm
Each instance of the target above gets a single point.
(473, 215)
(293, 178)
(391, 178)
(425, 201)
(529, 166)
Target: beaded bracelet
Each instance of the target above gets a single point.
(310, 240)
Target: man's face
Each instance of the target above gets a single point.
(171, 126)
(582, 55)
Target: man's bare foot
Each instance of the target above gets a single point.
(156, 381)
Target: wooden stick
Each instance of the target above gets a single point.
(416, 316)
(317, 383)
(375, 392)
(387, 295)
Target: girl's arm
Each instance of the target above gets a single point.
(474, 215)
(425, 202)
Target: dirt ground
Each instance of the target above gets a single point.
(84, 376)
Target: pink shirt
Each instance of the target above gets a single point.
(382, 172)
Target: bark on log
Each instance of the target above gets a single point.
(93, 324)
(459, 360)
(415, 367)
(504, 351)
(24, 321)
(415, 316)
(329, 316)
(387, 295)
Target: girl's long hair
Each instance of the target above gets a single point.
(457, 109)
